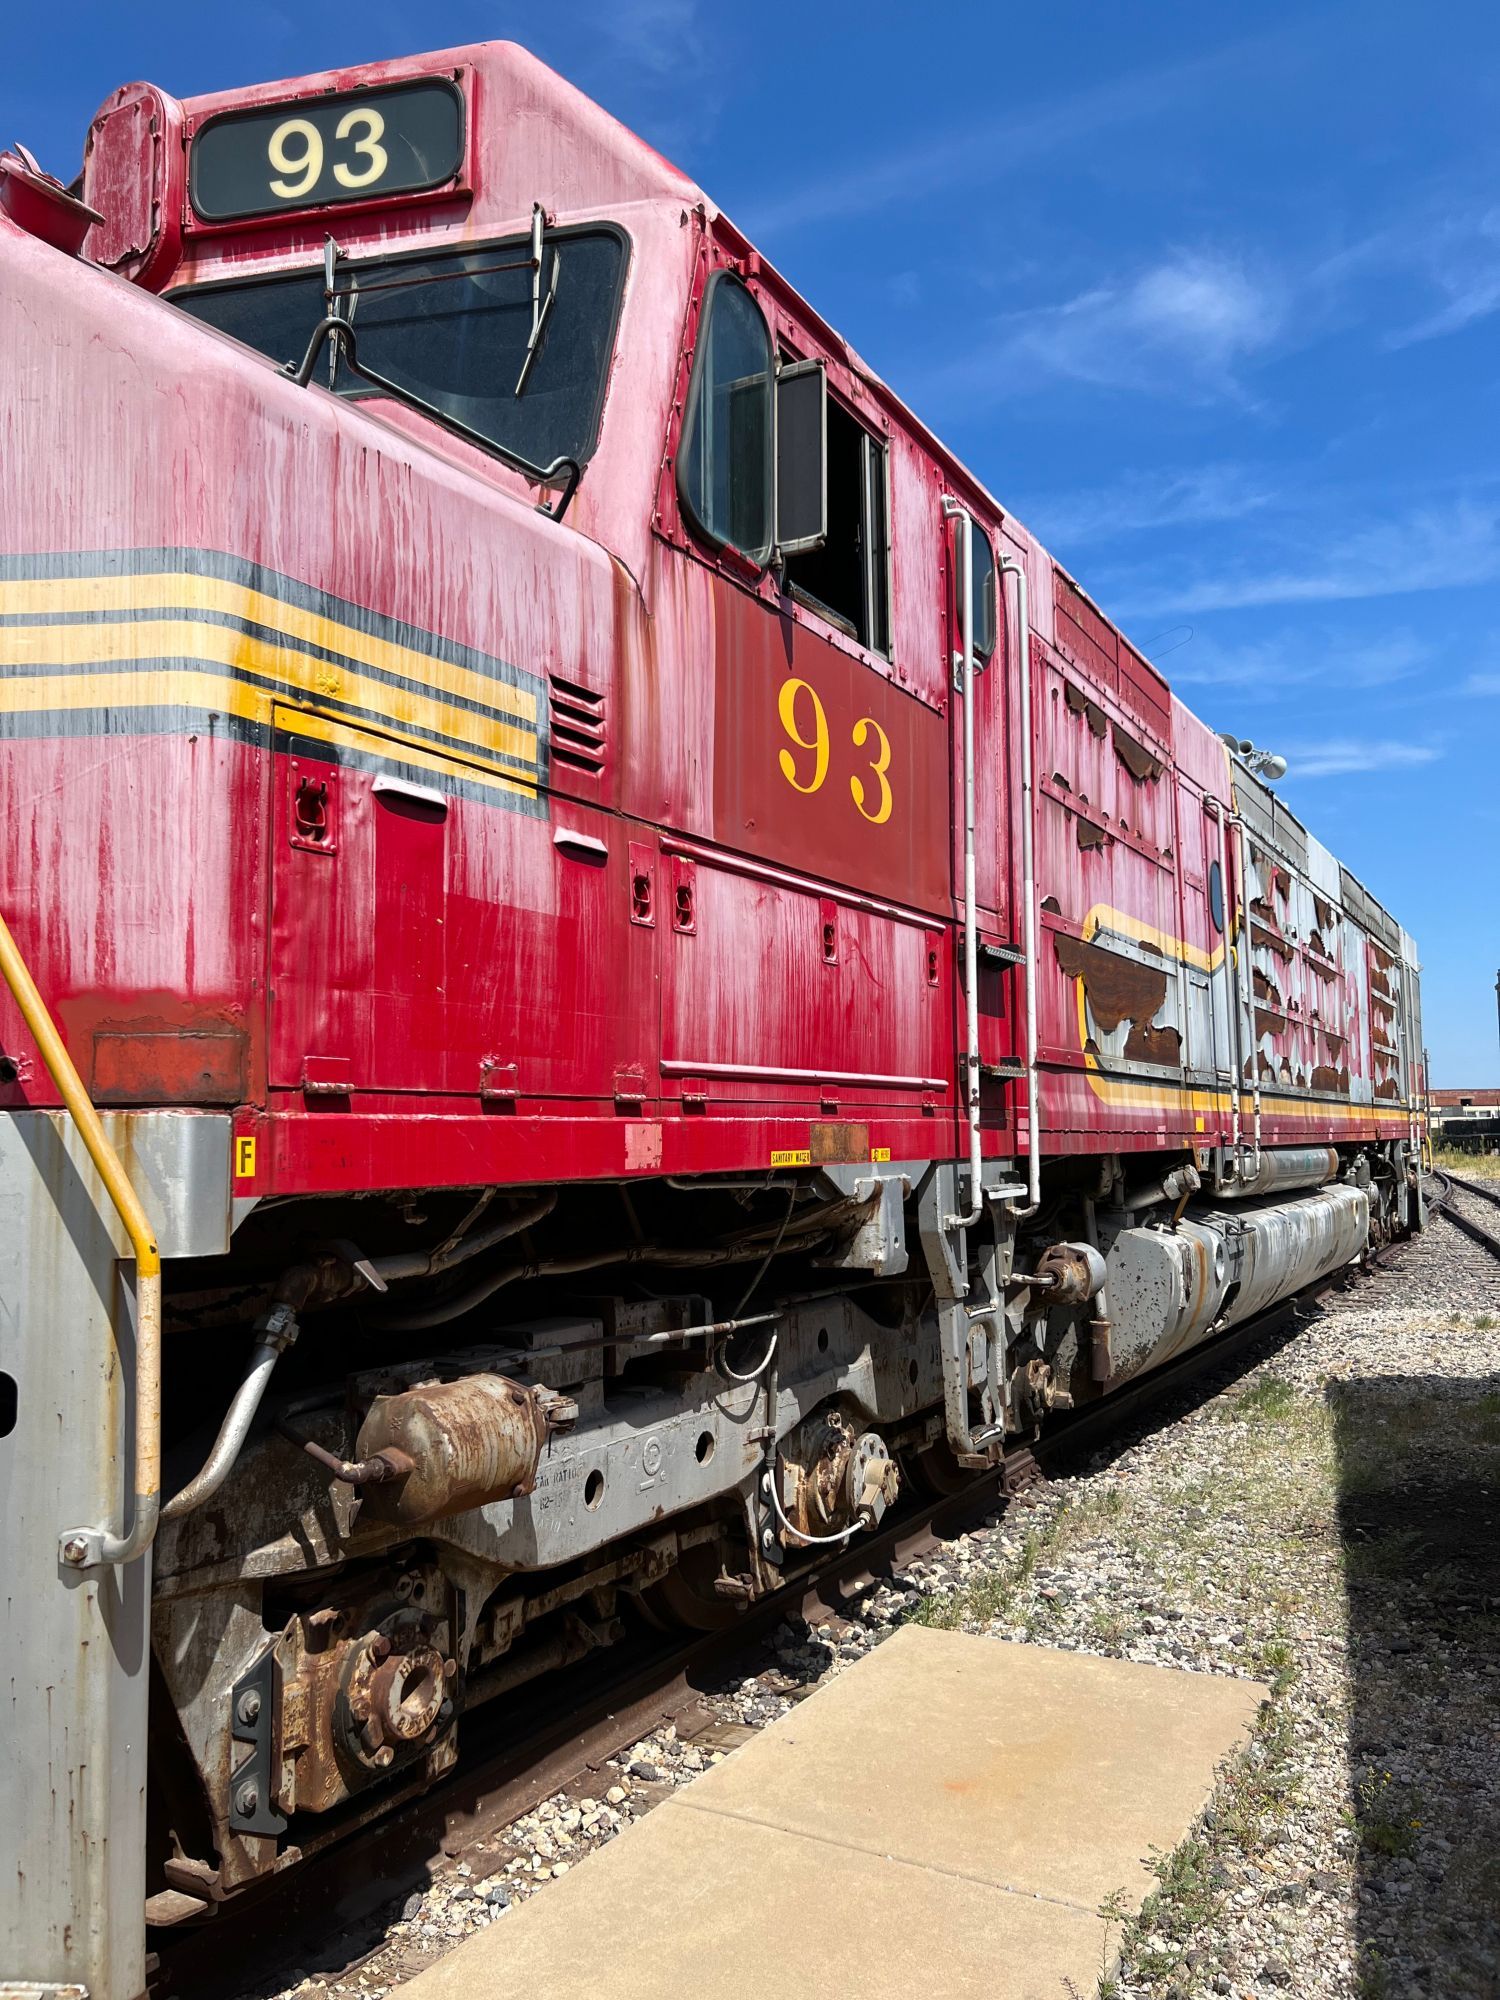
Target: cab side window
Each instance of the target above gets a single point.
(846, 577)
(724, 464)
(982, 588)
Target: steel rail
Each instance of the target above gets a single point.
(1474, 1230)
(90, 1548)
(1489, 1194)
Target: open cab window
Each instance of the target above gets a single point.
(844, 575)
(774, 469)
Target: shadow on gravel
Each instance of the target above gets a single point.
(1419, 1516)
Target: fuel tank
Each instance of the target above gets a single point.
(1167, 1288)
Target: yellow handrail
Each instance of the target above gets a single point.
(84, 1548)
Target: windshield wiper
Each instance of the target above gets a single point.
(338, 331)
(540, 307)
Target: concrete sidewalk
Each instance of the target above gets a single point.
(946, 1816)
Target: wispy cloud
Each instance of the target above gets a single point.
(1139, 501)
(1350, 756)
(984, 154)
(1181, 327)
(1462, 259)
(1481, 684)
(659, 66)
(1434, 547)
(1297, 659)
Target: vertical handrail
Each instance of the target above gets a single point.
(1246, 981)
(953, 510)
(1009, 564)
(1231, 985)
(86, 1548)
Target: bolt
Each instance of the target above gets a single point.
(767, 1538)
(385, 1755)
(75, 1550)
(380, 1647)
(248, 1706)
(445, 1711)
(246, 1800)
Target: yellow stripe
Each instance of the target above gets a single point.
(168, 687)
(1102, 917)
(176, 687)
(172, 591)
(1157, 1097)
(324, 729)
(84, 646)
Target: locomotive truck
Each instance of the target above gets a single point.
(605, 961)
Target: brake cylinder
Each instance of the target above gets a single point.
(470, 1442)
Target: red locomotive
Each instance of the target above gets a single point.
(644, 960)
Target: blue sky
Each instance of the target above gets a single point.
(1209, 297)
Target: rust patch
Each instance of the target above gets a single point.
(1327, 918)
(828, 1143)
(172, 1066)
(1136, 758)
(1266, 990)
(1119, 990)
(1080, 704)
(1269, 1022)
(1061, 782)
(1051, 904)
(1325, 1077)
(1263, 931)
(158, 1048)
(1153, 1045)
(1090, 836)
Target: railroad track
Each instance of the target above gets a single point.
(1445, 1207)
(558, 1731)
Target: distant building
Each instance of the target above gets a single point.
(1467, 1120)
(1478, 1101)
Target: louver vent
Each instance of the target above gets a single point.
(577, 725)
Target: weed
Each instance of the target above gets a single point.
(941, 1614)
(1270, 1399)
(1374, 1977)
(1275, 1663)
(1484, 1322)
(1388, 1816)
(1109, 1628)
(1115, 1910)
(1393, 1554)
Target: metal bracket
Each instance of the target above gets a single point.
(969, 1314)
(254, 1703)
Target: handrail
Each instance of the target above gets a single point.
(954, 511)
(1028, 892)
(87, 1548)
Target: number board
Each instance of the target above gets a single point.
(318, 150)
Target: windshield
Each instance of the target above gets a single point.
(455, 330)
